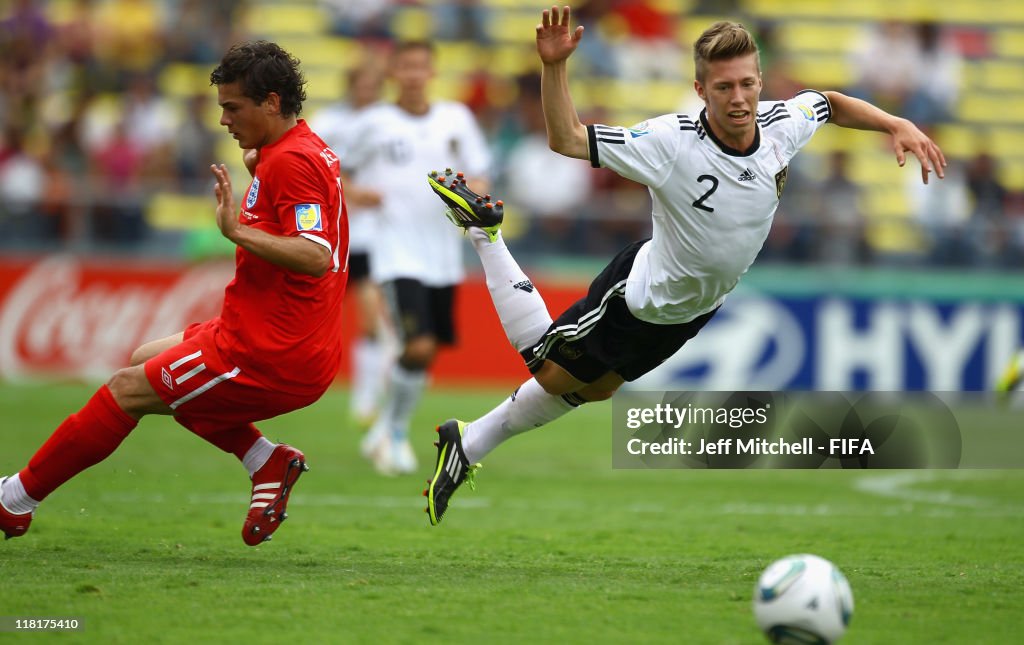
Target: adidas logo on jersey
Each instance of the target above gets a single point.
(746, 175)
(525, 285)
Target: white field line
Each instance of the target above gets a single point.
(894, 486)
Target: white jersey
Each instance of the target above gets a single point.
(334, 125)
(712, 205)
(392, 153)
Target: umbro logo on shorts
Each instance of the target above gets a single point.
(525, 285)
(746, 175)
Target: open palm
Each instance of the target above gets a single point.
(555, 42)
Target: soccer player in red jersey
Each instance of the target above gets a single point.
(276, 345)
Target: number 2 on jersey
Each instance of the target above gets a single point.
(699, 203)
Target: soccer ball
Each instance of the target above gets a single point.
(803, 599)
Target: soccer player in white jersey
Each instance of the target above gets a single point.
(417, 257)
(715, 180)
(370, 349)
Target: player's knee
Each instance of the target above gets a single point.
(419, 353)
(124, 386)
(554, 383)
(138, 357)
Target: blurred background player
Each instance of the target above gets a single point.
(715, 180)
(276, 345)
(372, 345)
(416, 256)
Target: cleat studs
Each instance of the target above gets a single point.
(441, 180)
(424, 492)
(488, 205)
(305, 467)
(268, 538)
(284, 516)
(426, 510)
(437, 444)
(437, 429)
(499, 203)
(461, 175)
(255, 530)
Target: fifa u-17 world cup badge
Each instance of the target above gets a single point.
(307, 217)
(254, 192)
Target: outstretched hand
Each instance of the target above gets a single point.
(555, 43)
(907, 137)
(227, 216)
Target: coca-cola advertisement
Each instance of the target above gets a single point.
(68, 316)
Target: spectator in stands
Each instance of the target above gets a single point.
(891, 46)
(922, 70)
(840, 233)
(462, 20)
(22, 179)
(597, 54)
(649, 48)
(117, 177)
(195, 144)
(553, 216)
(937, 85)
(131, 34)
(942, 210)
(360, 18)
(991, 231)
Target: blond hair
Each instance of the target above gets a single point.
(722, 41)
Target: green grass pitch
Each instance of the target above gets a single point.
(554, 546)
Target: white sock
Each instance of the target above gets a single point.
(522, 311)
(14, 498)
(403, 395)
(368, 362)
(529, 407)
(258, 455)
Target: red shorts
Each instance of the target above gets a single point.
(208, 392)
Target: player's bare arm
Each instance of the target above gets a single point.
(850, 112)
(293, 253)
(555, 43)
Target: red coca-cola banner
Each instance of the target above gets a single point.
(66, 316)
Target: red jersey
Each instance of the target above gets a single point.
(283, 327)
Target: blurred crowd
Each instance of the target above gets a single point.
(88, 134)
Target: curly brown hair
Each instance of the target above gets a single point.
(263, 67)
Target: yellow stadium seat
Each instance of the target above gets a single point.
(324, 51)
(184, 79)
(413, 23)
(818, 36)
(458, 57)
(510, 26)
(1011, 174)
(1008, 43)
(822, 71)
(178, 212)
(280, 19)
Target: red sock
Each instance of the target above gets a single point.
(235, 440)
(85, 438)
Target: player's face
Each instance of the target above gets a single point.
(247, 121)
(730, 91)
(412, 70)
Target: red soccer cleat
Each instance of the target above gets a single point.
(271, 486)
(13, 524)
